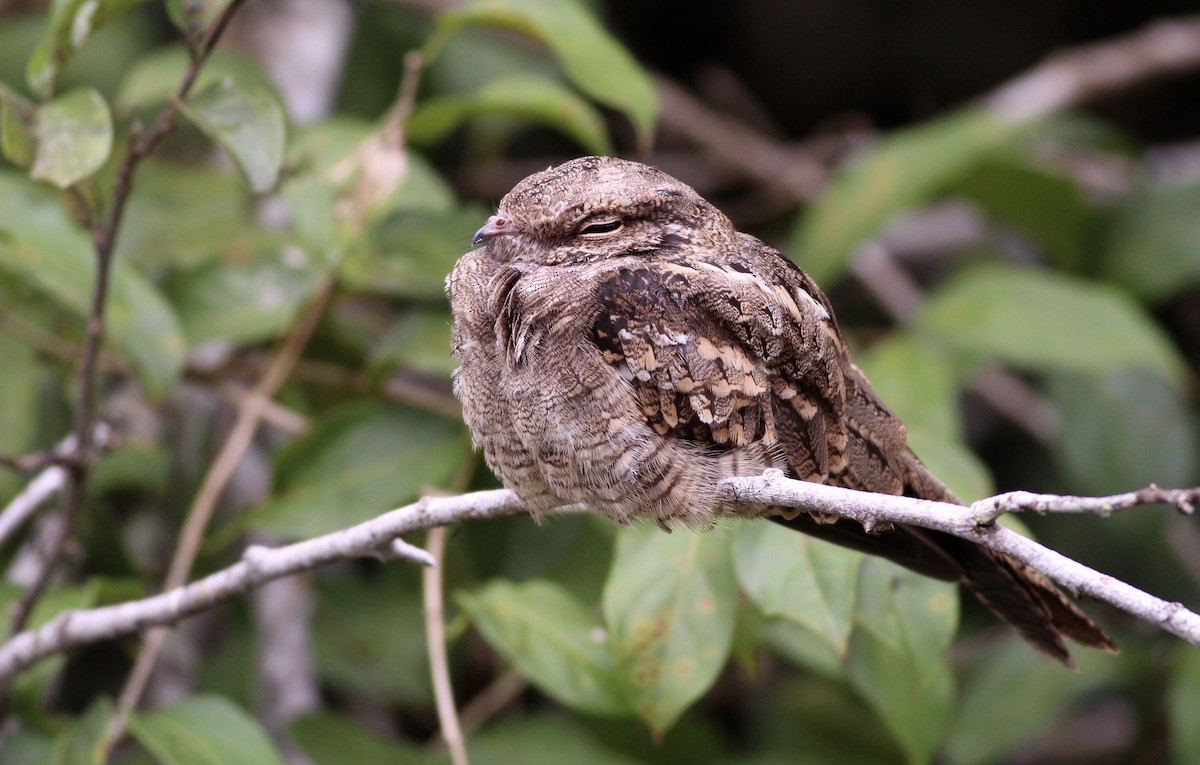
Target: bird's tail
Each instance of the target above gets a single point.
(1017, 594)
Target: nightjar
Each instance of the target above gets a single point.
(622, 345)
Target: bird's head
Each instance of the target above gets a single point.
(595, 208)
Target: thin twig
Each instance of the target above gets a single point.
(435, 639)
(986, 511)
(250, 414)
(47, 483)
(872, 510)
(25, 504)
(497, 696)
(104, 235)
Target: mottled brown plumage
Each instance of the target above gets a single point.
(623, 346)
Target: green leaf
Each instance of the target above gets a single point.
(984, 731)
(899, 173)
(252, 300)
(591, 57)
(74, 137)
(357, 462)
(19, 392)
(17, 118)
(246, 119)
(331, 740)
(1041, 320)
(551, 639)
(419, 339)
(80, 743)
(955, 464)
(532, 98)
(541, 741)
(408, 254)
(154, 78)
(670, 603)
(72, 22)
(185, 216)
(791, 575)
(367, 651)
(194, 17)
(1183, 700)
(897, 661)
(26, 747)
(203, 730)
(316, 190)
(1046, 205)
(1151, 243)
(41, 246)
(917, 380)
(1122, 429)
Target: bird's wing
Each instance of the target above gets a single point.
(746, 349)
(742, 349)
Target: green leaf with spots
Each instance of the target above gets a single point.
(897, 654)
(552, 639)
(246, 119)
(790, 575)
(670, 604)
(203, 730)
(74, 137)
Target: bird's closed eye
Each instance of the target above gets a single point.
(606, 226)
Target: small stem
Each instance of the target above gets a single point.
(435, 638)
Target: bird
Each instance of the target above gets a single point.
(621, 345)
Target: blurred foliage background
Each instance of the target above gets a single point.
(1018, 269)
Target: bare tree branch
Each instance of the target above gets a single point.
(378, 537)
(878, 510)
(47, 483)
(1084, 74)
(988, 510)
(374, 538)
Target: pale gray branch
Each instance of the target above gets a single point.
(1082, 74)
(378, 537)
(877, 510)
(375, 537)
(987, 510)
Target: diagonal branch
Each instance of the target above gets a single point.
(873, 509)
(373, 538)
(379, 537)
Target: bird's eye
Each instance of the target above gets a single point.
(601, 227)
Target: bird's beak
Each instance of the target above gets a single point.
(495, 226)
